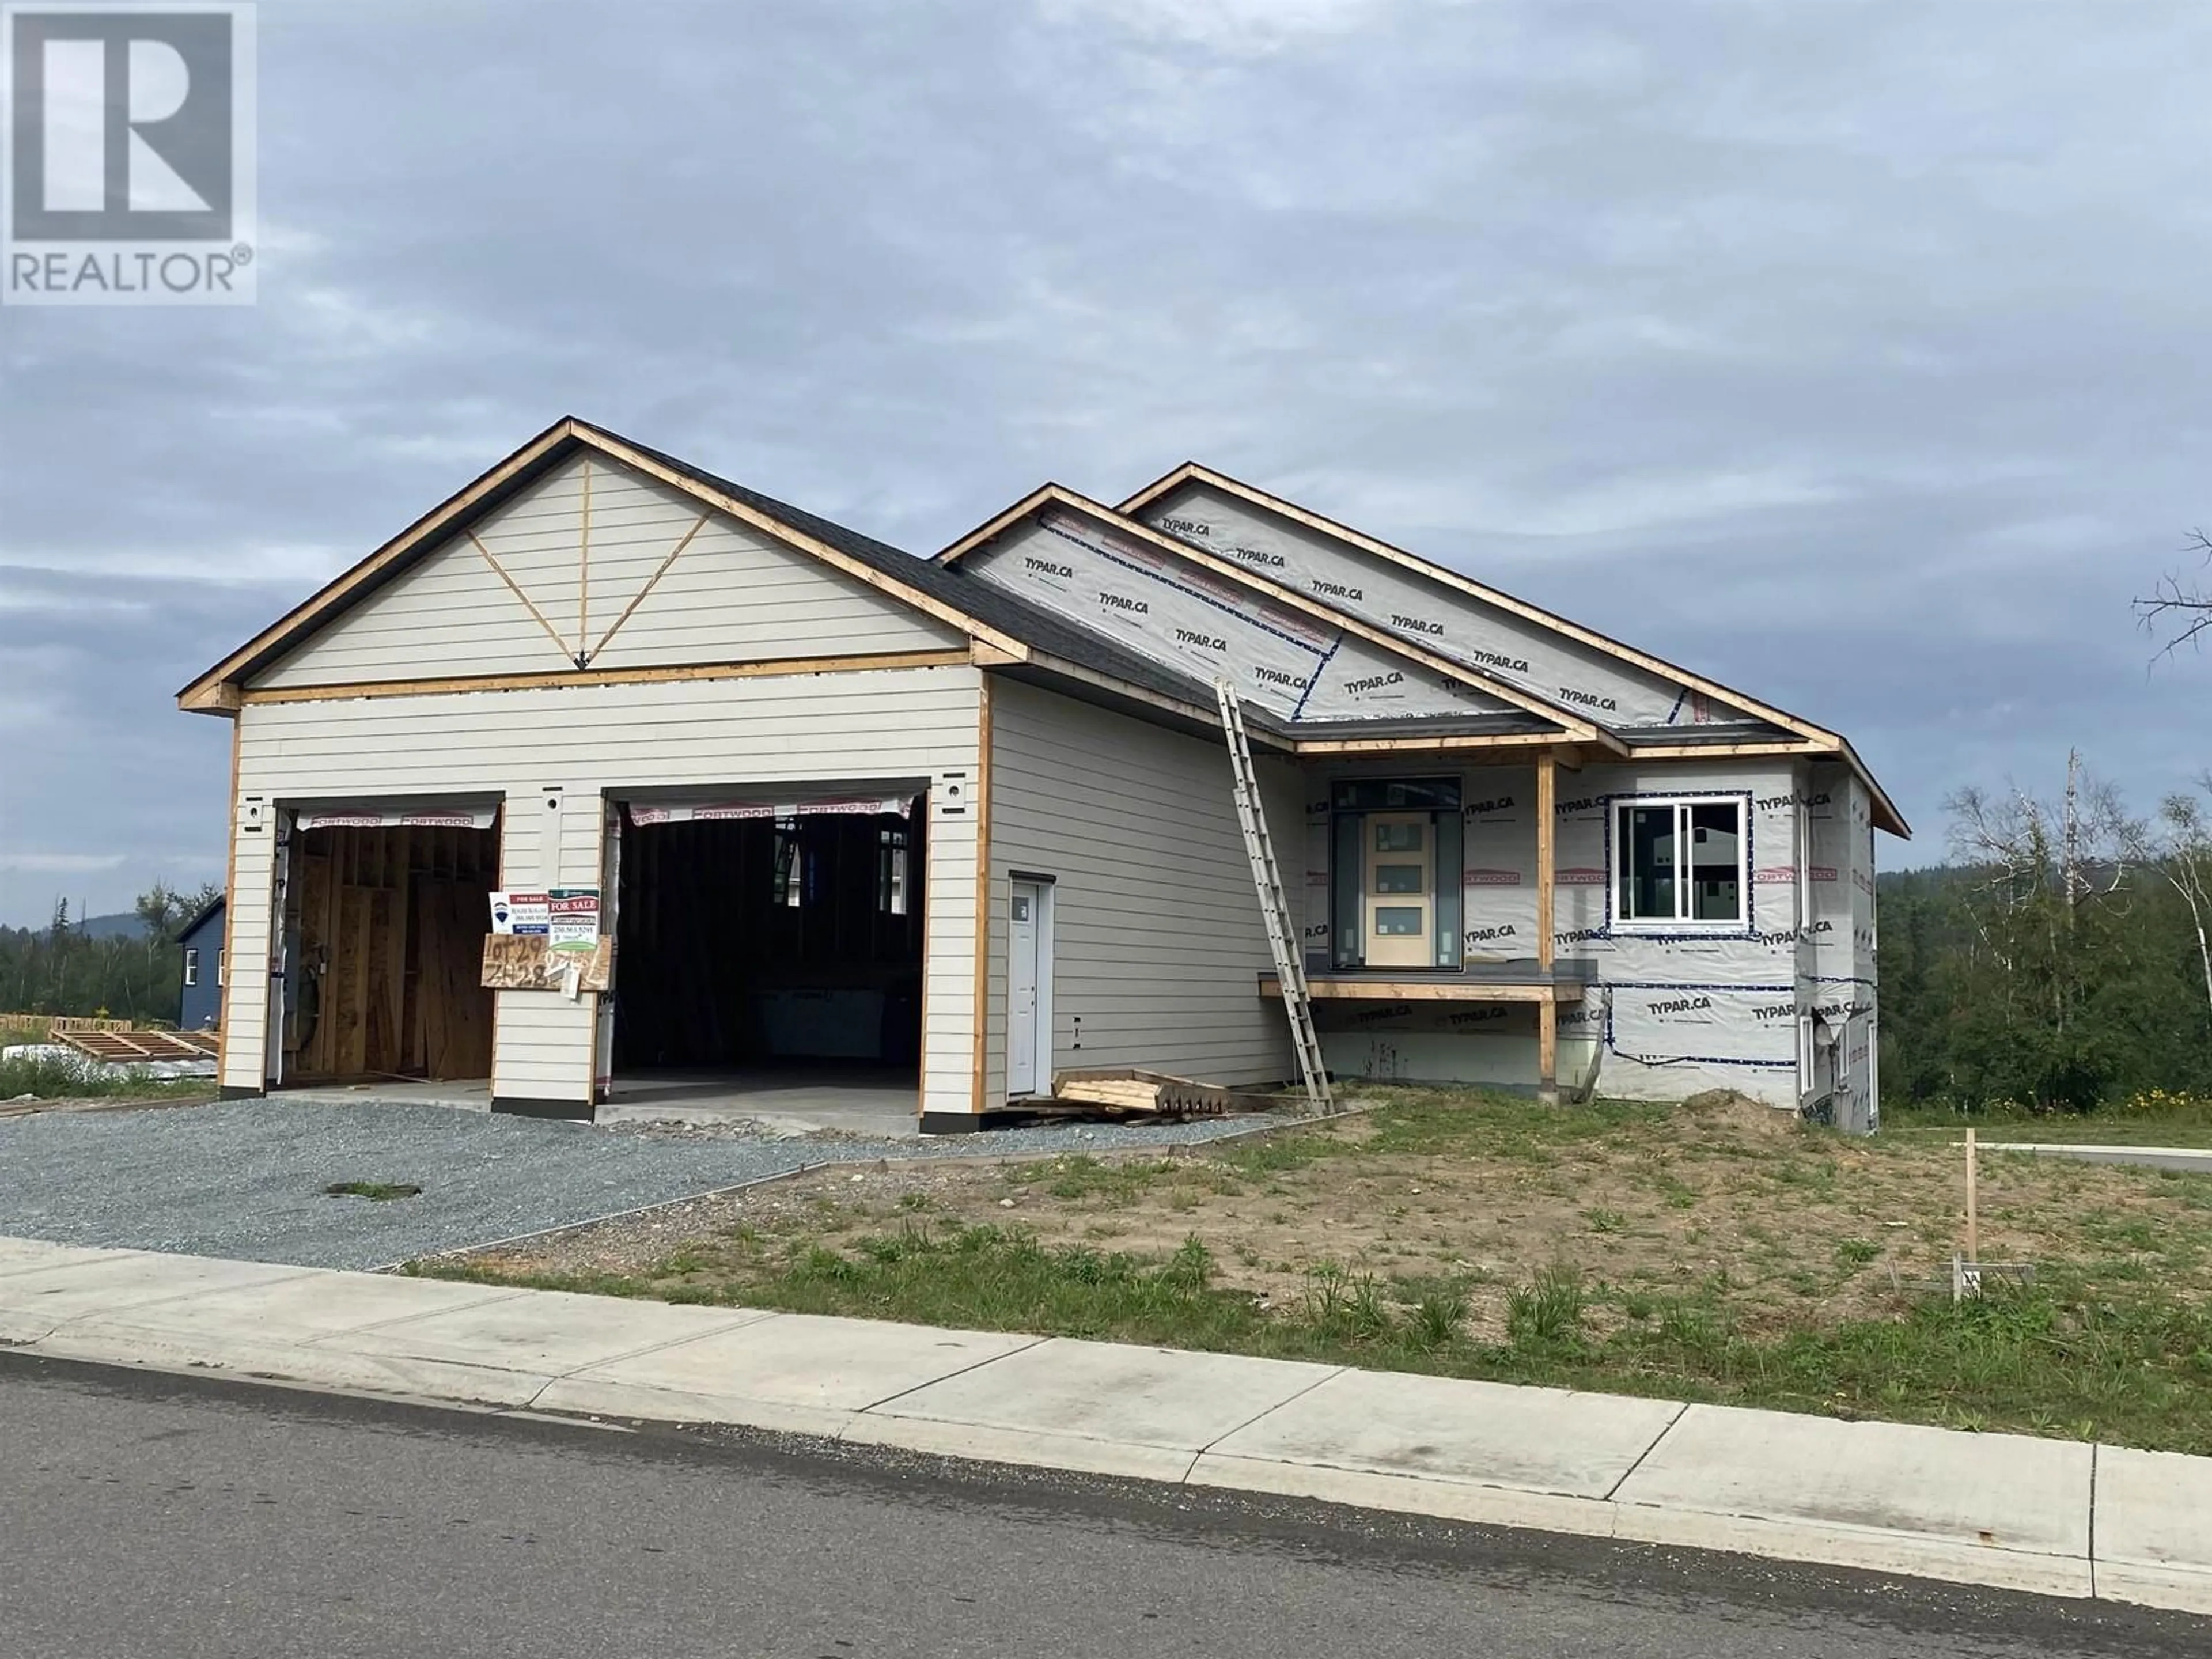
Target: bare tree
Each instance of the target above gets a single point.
(2041, 865)
(2182, 851)
(2181, 610)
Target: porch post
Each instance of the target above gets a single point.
(1547, 1010)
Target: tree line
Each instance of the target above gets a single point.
(60, 968)
(2059, 962)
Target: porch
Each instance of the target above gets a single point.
(1431, 880)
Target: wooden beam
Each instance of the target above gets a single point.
(1547, 797)
(1507, 742)
(228, 956)
(217, 698)
(768, 525)
(979, 803)
(582, 652)
(555, 677)
(1440, 990)
(521, 598)
(1547, 1050)
(1728, 750)
(651, 582)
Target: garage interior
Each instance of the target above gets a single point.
(386, 926)
(769, 958)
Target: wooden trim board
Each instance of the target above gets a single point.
(1432, 990)
(574, 676)
(1547, 795)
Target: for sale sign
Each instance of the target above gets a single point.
(521, 912)
(573, 914)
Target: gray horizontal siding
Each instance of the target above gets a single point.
(1158, 941)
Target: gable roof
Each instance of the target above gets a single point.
(875, 564)
(1815, 737)
(1022, 636)
(1571, 726)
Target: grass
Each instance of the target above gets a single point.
(1716, 1255)
(2041, 1361)
(2155, 1119)
(379, 1191)
(48, 1079)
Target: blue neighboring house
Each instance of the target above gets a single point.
(200, 1008)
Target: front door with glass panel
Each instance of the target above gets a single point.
(1399, 889)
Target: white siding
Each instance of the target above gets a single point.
(1158, 941)
(245, 965)
(731, 595)
(594, 741)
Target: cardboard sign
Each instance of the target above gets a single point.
(573, 914)
(521, 912)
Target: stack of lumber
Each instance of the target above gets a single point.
(1132, 1093)
(129, 1047)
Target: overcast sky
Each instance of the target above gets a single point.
(1853, 355)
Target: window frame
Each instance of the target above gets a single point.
(1618, 852)
(191, 967)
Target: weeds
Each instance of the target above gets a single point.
(1549, 1309)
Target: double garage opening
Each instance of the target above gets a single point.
(768, 950)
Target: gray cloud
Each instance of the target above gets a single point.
(1853, 355)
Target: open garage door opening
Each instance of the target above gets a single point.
(768, 956)
(385, 915)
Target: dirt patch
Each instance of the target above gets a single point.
(1788, 1226)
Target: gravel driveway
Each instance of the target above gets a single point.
(245, 1178)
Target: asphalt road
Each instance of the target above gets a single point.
(147, 1516)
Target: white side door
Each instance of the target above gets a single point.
(1024, 923)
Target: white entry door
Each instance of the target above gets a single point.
(1028, 990)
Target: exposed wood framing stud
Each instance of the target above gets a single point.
(584, 572)
(1547, 1048)
(523, 599)
(1547, 795)
(652, 582)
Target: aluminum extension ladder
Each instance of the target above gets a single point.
(1274, 904)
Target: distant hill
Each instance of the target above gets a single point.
(122, 925)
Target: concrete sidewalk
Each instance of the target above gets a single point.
(2058, 1518)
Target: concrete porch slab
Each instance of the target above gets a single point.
(1098, 1406)
(552, 1331)
(1519, 1456)
(2153, 1527)
(795, 1372)
(1991, 1509)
